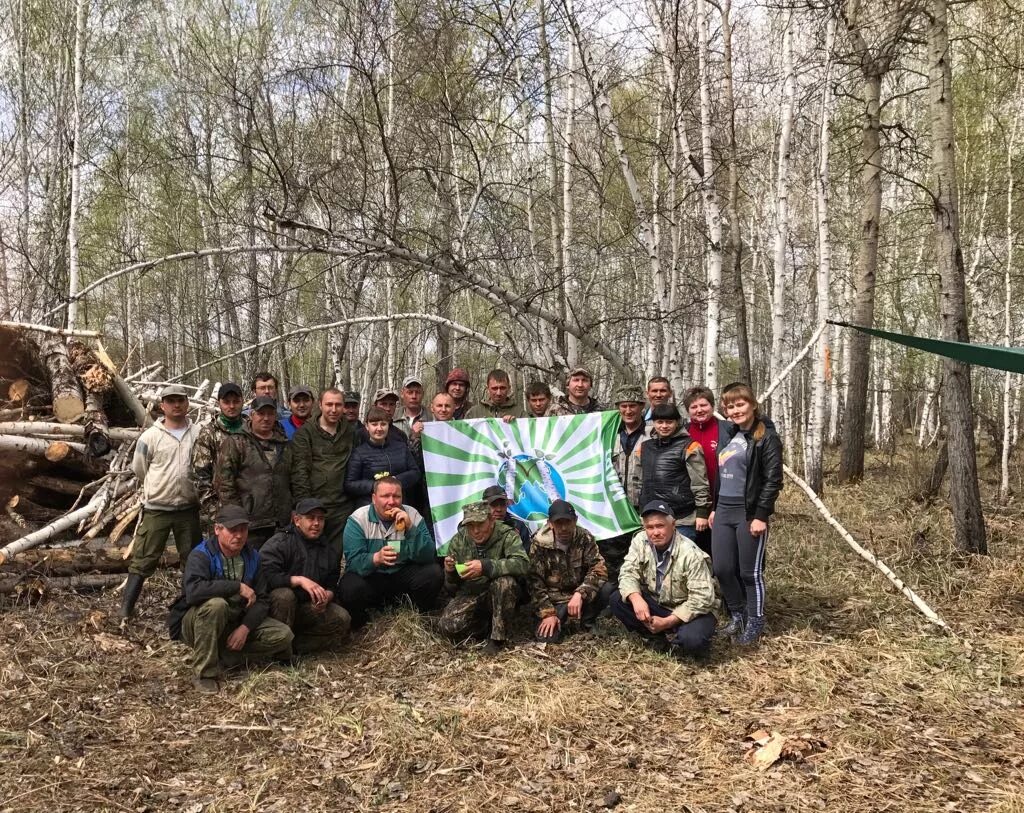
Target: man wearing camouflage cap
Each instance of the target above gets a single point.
(630, 401)
(484, 560)
(577, 400)
(206, 450)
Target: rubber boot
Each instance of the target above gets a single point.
(734, 627)
(751, 634)
(132, 591)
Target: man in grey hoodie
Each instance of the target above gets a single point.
(169, 500)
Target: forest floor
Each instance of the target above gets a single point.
(894, 714)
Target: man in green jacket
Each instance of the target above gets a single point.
(206, 450)
(498, 403)
(320, 451)
(252, 471)
(484, 559)
(666, 590)
(567, 573)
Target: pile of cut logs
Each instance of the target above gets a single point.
(68, 426)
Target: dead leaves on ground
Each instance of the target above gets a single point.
(766, 747)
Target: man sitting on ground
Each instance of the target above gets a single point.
(222, 612)
(484, 559)
(666, 590)
(496, 498)
(567, 574)
(303, 571)
(389, 554)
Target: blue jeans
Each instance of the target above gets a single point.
(692, 637)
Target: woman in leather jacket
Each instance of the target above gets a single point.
(749, 482)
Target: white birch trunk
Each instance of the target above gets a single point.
(74, 273)
(712, 205)
(571, 342)
(819, 386)
(1004, 465)
(786, 112)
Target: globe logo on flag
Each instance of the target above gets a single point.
(530, 497)
(535, 461)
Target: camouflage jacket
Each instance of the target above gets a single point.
(563, 406)
(203, 463)
(687, 589)
(501, 555)
(253, 473)
(556, 574)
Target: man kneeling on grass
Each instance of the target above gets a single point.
(666, 591)
(567, 573)
(303, 570)
(222, 612)
(484, 560)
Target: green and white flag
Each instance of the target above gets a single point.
(536, 461)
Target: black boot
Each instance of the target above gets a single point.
(132, 591)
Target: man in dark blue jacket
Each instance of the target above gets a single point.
(222, 612)
(303, 570)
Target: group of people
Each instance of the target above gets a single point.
(293, 524)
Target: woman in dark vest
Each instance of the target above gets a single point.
(749, 481)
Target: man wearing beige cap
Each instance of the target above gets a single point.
(577, 400)
(412, 412)
(484, 560)
(162, 464)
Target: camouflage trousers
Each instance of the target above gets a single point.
(486, 613)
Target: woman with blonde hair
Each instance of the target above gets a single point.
(749, 481)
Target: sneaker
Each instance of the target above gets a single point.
(751, 634)
(205, 685)
(734, 627)
(493, 647)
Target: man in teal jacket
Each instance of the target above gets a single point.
(389, 553)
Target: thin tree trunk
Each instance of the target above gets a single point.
(74, 273)
(1004, 467)
(965, 498)
(819, 388)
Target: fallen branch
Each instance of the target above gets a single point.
(52, 450)
(865, 554)
(53, 331)
(30, 428)
(356, 320)
(67, 400)
(42, 585)
(789, 367)
(142, 417)
(73, 561)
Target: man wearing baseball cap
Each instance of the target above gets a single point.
(577, 399)
(206, 450)
(254, 471)
(303, 570)
(567, 574)
(300, 402)
(412, 411)
(457, 386)
(629, 401)
(666, 590)
(497, 499)
(480, 571)
(222, 610)
(162, 464)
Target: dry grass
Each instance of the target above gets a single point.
(401, 721)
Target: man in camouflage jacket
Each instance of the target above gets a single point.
(484, 559)
(252, 471)
(203, 462)
(567, 573)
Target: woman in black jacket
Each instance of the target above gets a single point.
(749, 481)
(380, 455)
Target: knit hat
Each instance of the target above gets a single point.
(458, 374)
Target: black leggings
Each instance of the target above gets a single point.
(738, 560)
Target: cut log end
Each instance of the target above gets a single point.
(57, 451)
(68, 408)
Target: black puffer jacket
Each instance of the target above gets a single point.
(672, 469)
(369, 460)
(764, 470)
